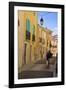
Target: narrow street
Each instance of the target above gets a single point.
(39, 70)
(35, 40)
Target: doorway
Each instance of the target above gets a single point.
(30, 53)
(25, 46)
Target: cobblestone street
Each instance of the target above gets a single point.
(39, 70)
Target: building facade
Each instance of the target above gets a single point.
(27, 29)
(33, 40)
(54, 45)
(44, 40)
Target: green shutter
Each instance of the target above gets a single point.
(28, 25)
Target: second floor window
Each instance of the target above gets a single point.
(27, 29)
(27, 25)
(33, 33)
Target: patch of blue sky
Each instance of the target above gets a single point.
(50, 20)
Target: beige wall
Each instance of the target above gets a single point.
(20, 39)
(30, 51)
(33, 48)
(46, 35)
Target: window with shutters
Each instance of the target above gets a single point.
(27, 29)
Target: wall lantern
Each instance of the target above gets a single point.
(41, 21)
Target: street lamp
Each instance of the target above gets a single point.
(41, 21)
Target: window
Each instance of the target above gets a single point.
(43, 41)
(33, 33)
(28, 25)
(27, 29)
(40, 39)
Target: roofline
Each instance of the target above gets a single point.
(45, 29)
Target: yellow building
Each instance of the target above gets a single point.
(44, 40)
(27, 29)
(33, 40)
(49, 38)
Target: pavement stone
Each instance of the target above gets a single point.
(37, 70)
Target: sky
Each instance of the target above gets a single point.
(50, 20)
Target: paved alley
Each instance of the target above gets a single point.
(38, 70)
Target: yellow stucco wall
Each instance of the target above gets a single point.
(22, 16)
(34, 49)
(33, 21)
(46, 35)
(20, 39)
